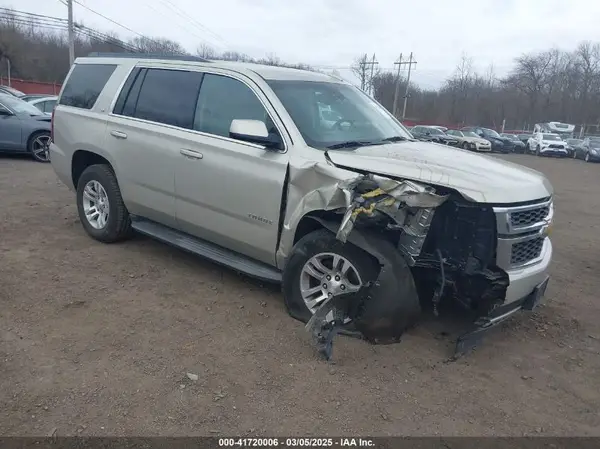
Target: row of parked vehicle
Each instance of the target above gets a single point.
(475, 138)
(25, 122)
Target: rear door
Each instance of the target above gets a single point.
(150, 123)
(229, 191)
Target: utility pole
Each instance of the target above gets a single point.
(371, 87)
(71, 33)
(410, 63)
(363, 75)
(399, 64)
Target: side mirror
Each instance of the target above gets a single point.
(254, 131)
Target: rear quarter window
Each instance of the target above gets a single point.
(85, 85)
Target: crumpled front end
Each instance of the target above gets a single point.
(430, 242)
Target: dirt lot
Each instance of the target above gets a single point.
(97, 339)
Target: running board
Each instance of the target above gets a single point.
(206, 249)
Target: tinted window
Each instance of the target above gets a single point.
(223, 99)
(118, 109)
(133, 94)
(85, 84)
(169, 96)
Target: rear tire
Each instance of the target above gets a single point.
(98, 194)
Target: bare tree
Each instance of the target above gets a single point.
(206, 51)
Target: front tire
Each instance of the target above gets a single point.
(101, 208)
(39, 146)
(312, 261)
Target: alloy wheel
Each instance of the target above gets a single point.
(95, 204)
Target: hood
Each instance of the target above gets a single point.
(477, 177)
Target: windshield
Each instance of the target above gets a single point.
(550, 137)
(510, 136)
(19, 106)
(524, 136)
(469, 134)
(332, 113)
(490, 132)
(574, 141)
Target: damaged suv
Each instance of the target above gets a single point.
(361, 224)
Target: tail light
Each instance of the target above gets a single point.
(52, 125)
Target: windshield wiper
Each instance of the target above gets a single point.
(395, 139)
(349, 144)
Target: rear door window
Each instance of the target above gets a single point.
(165, 96)
(85, 84)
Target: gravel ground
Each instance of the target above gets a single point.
(97, 339)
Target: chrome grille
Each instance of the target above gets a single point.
(529, 217)
(554, 145)
(522, 233)
(526, 251)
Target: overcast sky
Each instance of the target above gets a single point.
(331, 33)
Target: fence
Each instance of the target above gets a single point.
(32, 87)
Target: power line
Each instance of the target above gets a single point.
(191, 19)
(109, 19)
(191, 32)
(9, 11)
(80, 29)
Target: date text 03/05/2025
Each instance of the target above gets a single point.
(296, 442)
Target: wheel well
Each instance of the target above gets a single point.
(307, 224)
(83, 159)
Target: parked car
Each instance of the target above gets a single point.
(433, 134)
(45, 104)
(31, 97)
(499, 144)
(470, 141)
(11, 91)
(524, 138)
(441, 128)
(589, 150)
(230, 161)
(23, 128)
(519, 146)
(547, 144)
(573, 145)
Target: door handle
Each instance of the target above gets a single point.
(191, 153)
(118, 134)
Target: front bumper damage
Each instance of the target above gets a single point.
(470, 340)
(430, 243)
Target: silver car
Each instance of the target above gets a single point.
(359, 222)
(24, 128)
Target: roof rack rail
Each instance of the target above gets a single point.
(96, 54)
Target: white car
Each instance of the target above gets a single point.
(547, 144)
(45, 104)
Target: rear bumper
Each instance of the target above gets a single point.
(61, 165)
